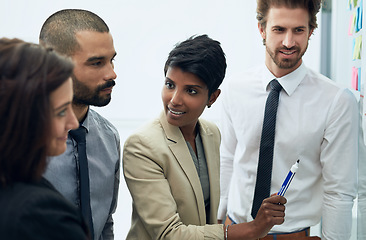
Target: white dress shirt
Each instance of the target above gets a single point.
(317, 122)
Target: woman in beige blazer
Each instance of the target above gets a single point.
(171, 165)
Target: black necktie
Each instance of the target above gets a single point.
(264, 171)
(80, 137)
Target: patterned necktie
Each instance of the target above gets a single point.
(264, 171)
(80, 137)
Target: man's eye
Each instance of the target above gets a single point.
(96, 63)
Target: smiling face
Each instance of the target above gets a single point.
(62, 118)
(286, 36)
(94, 69)
(185, 96)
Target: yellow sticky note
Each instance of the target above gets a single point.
(357, 48)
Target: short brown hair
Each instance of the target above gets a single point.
(28, 75)
(313, 7)
(58, 31)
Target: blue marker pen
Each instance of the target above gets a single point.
(289, 178)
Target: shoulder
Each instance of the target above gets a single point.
(27, 202)
(209, 126)
(27, 194)
(241, 85)
(146, 148)
(245, 76)
(316, 76)
(149, 132)
(210, 129)
(328, 87)
(42, 195)
(98, 121)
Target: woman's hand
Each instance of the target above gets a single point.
(271, 212)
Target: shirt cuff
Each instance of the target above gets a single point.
(221, 212)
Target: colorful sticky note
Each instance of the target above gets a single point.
(357, 44)
(351, 24)
(359, 47)
(354, 81)
(357, 16)
(354, 20)
(355, 3)
(359, 79)
(360, 15)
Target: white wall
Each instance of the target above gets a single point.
(144, 32)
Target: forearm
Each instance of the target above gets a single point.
(242, 231)
(336, 219)
(269, 214)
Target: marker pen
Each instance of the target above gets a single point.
(289, 178)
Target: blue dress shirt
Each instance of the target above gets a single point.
(103, 152)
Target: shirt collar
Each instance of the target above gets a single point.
(288, 82)
(86, 121)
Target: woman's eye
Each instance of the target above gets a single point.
(61, 113)
(192, 91)
(169, 85)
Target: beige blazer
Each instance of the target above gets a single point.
(167, 196)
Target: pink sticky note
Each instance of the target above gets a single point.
(354, 82)
(350, 26)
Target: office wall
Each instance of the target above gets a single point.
(145, 31)
(342, 61)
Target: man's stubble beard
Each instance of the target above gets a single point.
(83, 95)
(285, 63)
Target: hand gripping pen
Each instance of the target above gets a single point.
(288, 179)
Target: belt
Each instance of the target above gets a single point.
(299, 235)
(288, 236)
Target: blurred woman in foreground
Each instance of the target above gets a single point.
(35, 117)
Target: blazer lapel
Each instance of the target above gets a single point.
(178, 146)
(213, 169)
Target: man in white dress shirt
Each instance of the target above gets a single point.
(317, 123)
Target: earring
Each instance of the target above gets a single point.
(208, 106)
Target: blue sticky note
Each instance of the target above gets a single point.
(359, 80)
(357, 13)
(353, 48)
(360, 15)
